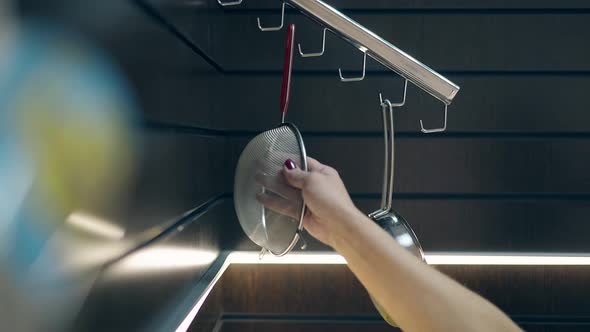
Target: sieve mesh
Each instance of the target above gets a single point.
(259, 172)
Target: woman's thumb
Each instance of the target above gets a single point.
(294, 175)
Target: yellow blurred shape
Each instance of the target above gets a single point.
(80, 156)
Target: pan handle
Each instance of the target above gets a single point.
(389, 160)
(287, 71)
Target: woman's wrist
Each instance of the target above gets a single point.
(343, 230)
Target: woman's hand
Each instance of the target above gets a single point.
(329, 206)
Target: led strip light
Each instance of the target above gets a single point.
(433, 258)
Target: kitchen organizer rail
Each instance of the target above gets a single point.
(371, 45)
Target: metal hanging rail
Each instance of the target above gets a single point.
(378, 49)
(371, 45)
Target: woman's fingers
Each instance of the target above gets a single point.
(278, 185)
(279, 205)
(296, 177)
(314, 165)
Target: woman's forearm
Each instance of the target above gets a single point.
(416, 296)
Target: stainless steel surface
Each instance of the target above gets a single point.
(355, 79)
(276, 28)
(389, 152)
(389, 157)
(400, 230)
(155, 286)
(393, 223)
(265, 156)
(315, 54)
(401, 103)
(379, 49)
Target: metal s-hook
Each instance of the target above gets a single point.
(355, 79)
(403, 102)
(435, 130)
(277, 28)
(316, 54)
(229, 3)
(400, 104)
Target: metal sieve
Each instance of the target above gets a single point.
(265, 156)
(259, 172)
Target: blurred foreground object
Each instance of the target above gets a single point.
(66, 145)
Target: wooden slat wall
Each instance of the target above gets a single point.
(492, 104)
(510, 174)
(447, 41)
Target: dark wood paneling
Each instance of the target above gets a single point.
(477, 225)
(183, 17)
(449, 165)
(449, 42)
(499, 104)
(176, 97)
(461, 165)
(333, 290)
(311, 289)
(528, 290)
(496, 225)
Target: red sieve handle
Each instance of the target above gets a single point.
(287, 70)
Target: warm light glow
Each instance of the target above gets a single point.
(248, 257)
(158, 259)
(506, 259)
(434, 258)
(95, 226)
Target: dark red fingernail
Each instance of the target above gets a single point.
(290, 164)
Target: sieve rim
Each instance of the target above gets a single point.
(304, 166)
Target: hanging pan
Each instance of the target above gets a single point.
(392, 222)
